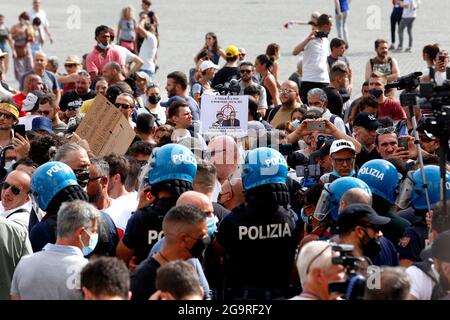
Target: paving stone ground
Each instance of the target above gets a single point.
(248, 23)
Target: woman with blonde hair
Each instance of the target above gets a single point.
(126, 29)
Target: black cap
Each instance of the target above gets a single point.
(359, 215)
(323, 151)
(367, 121)
(440, 249)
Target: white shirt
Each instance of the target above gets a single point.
(21, 218)
(126, 54)
(159, 111)
(121, 208)
(148, 51)
(338, 122)
(315, 68)
(421, 284)
(27, 121)
(410, 11)
(41, 15)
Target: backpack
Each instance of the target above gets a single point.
(372, 62)
(432, 72)
(347, 130)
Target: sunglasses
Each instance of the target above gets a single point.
(381, 131)
(70, 65)
(15, 190)
(72, 108)
(123, 106)
(6, 115)
(43, 112)
(246, 71)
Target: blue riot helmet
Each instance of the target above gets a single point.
(263, 166)
(48, 180)
(171, 162)
(332, 194)
(413, 192)
(382, 177)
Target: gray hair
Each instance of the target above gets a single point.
(73, 215)
(313, 255)
(101, 167)
(179, 219)
(65, 150)
(394, 285)
(318, 92)
(53, 60)
(206, 176)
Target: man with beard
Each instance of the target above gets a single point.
(387, 66)
(72, 100)
(289, 98)
(365, 128)
(49, 108)
(359, 225)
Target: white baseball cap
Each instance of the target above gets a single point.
(341, 144)
(207, 64)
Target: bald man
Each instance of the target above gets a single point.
(355, 195)
(198, 200)
(32, 82)
(15, 198)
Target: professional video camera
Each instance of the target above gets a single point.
(229, 88)
(408, 82)
(354, 285)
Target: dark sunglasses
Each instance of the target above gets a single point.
(70, 65)
(123, 106)
(72, 109)
(6, 115)
(246, 71)
(15, 190)
(45, 112)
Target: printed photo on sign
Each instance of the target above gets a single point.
(224, 115)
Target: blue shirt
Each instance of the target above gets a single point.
(49, 80)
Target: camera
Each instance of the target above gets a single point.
(408, 82)
(354, 285)
(229, 88)
(320, 34)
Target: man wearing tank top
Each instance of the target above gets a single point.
(382, 63)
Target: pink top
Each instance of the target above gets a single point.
(95, 61)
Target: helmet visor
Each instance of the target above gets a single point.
(405, 194)
(35, 205)
(323, 205)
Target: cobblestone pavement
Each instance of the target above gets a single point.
(248, 23)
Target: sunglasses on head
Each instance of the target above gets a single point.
(123, 106)
(14, 189)
(385, 130)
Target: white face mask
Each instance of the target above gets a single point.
(9, 165)
(319, 109)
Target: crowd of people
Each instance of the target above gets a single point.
(323, 194)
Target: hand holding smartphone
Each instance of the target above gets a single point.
(316, 126)
(19, 129)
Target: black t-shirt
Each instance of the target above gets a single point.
(108, 238)
(413, 241)
(219, 211)
(260, 248)
(73, 99)
(335, 102)
(142, 280)
(364, 155)
(144, 228)
(225, 75)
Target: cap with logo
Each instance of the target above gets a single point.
(341, 144)
(359, 215)
(366, 120)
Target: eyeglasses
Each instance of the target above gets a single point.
(72, 108)
(381, 131)
(342, 160)
(315, 258)
(43, 112)
(14, 189)
(123, 106)
(70, 65)
(246, 71)
(96, 178)
(6, 115)
(286, 91)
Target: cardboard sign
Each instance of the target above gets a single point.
(224, 115)
(105, 128)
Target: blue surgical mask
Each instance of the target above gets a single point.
(102, 46)
(352, 174)
(376, 92)
(306, 219)
(212, 225)
(93, 240)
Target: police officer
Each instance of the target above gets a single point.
(259, 238)
(413, 193)
(383, 179)
(52, 184)
(172, 171)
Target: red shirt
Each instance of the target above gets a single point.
(95, 61)
(392, 109)
(18, 98)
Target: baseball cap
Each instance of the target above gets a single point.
(323, 151)
(42, 124)
(207, 64)
(232, 51)
(359, 215)
(172, 100)
(72, 60)
(341, 144)
(367, 121)
(144, 75)
(440, 249)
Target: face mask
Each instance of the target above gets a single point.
(376, 92)
(154, 99)
(23, 21)
(102, 46)
(82, 176)
(319, 109)
(199, 248)
(8, 165)
(93, 239)
(352, 174)
(212, 225)
(372, 248)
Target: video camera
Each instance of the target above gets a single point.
(354, 285)
(408, 82)
(229, 88)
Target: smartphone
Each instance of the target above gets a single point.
(442, 58)
(320, 34)
(403, 142)
(316, 126)
(20, 129)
